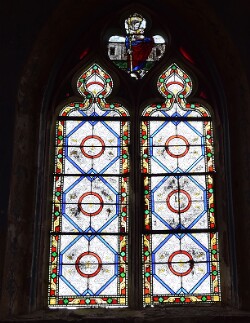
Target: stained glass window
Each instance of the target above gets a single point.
(88, 265)
(89, 234)
(180, 243)
(136, 53)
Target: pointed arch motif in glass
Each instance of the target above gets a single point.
(136, 53)
(88, 265)
(180, 244)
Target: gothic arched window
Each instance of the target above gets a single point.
(92, 256)
(180, 240)
(89, 233)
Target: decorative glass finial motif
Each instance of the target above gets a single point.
(180, 244)
(136, 53)
(174, 83)
(88, 248)
(95, 82)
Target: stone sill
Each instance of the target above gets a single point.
(172, 314)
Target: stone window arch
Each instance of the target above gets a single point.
(33, 131)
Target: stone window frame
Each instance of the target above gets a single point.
(24, 120)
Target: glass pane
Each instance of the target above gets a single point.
(181, 268)
(179, 202)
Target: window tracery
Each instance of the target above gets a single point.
(89, 237)
(136, 53)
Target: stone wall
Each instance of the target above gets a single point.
(39, 38)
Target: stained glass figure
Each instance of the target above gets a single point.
(136, 53)
(180, 243)
(88, 265)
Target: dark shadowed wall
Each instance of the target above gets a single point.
(36, 37)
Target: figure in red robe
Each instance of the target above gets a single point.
(138, 46)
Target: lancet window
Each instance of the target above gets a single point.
(90, 255)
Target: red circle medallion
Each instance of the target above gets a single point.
(90, 266)
(93, 201)
(179, 146)
(92, 146)
(181, 200)
(183, 263)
